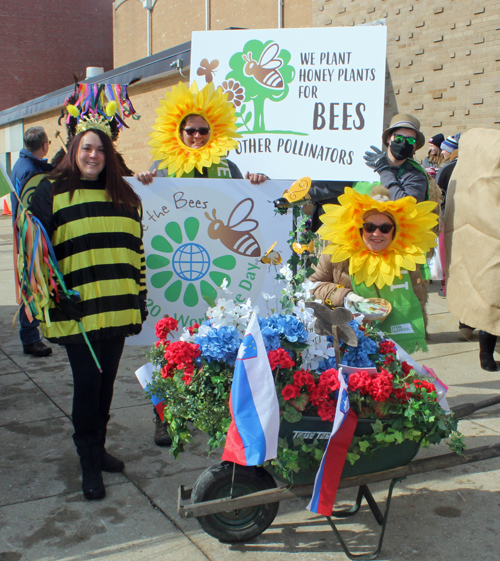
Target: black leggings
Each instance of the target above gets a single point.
(93, 390)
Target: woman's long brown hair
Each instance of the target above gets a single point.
(118, 190)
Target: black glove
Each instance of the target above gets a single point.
(70, 306)
(143, 304)
(376, 160)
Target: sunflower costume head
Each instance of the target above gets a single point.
(413, 238)
(211, 104)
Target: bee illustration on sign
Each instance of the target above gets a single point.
(207, 69)
(266, 70)
(236, 233)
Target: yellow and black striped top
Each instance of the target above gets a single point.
(100, 253)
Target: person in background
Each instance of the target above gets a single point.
(434, 158)
(397, 169)
(27, 172)
(472, 235)
(448, 147)
(91, 213)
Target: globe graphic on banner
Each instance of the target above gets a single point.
(191, 262)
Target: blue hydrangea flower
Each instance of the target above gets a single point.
(220, 345)
(277, 326)
(326, 364)
(359, 356)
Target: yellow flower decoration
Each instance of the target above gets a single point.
(342, 225)
(209, 103)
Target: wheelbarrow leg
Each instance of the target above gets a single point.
(363, 491)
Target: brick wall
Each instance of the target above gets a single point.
(44, 43)
(443, 58)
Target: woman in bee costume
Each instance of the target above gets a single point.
(193, 133)
(92, 216)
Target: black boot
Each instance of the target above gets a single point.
(487, 343)
(109, 463)
(90, 451)
(161, 437)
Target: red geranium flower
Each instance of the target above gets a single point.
(290, 392)
(387, 347)
(381, 386)
(424, 384)
(326, 410)
(193, 329)
(164, 327)
(304, 378)
(406, 367)
(330, 379)
(280, 358)
(402, 394)
(359, 381)
(319, 394)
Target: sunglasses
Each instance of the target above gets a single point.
(384, 228)
(191, 132)
(399, 139)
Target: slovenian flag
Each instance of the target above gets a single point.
(329, 472)
(252, 437)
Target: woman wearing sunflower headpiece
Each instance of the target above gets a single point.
(193, 133)
(375, 248)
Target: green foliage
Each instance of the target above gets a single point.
(203, 402)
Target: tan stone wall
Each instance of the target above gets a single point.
(443, 58)
(175, 20)
(132, 142)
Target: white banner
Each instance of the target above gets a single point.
(309, 102)
(198, 232)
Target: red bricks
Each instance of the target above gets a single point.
(44, 43)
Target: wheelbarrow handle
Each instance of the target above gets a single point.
(466, 409)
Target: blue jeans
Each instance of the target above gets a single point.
(28, 332)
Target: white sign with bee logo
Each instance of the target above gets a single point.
(198, 232)
(308, 102)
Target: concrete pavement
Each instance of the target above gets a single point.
(451, 514)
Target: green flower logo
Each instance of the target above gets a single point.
(189, 267)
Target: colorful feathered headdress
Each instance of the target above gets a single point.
(106, 104)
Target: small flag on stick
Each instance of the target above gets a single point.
(329, 472)
(252, 437)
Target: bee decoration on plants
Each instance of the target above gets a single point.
(271, 257)
(266, 70)
(298, 194)
(303, 248)
(207, 69)
(236, 234)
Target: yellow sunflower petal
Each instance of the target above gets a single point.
(414, 221)
(212, 105)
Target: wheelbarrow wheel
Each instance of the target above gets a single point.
(238, 525)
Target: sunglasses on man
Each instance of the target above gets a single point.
(370, 227)
(399, 139)
(191, 132)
